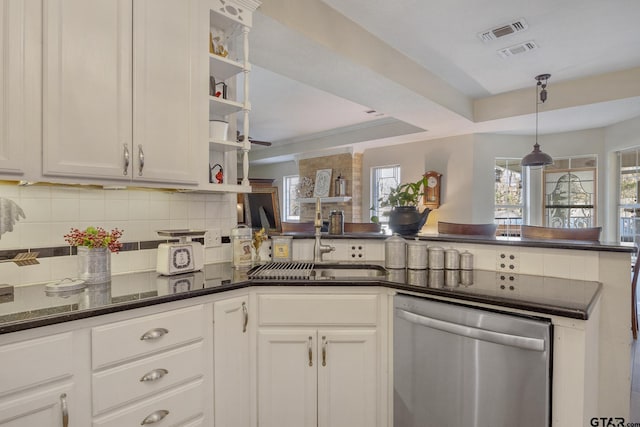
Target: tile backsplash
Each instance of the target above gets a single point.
(52, 210)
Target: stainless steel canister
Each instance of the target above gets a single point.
(417, 255)
(436, 258)
(452, 278)
(451, 259)
(466, 277)
(417, 277)
(436, 279)
(395, 252)
(466, 260)
(336, 222)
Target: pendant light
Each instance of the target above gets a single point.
(537, 157)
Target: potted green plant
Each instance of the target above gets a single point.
(403, 200)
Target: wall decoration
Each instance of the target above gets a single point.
(323, 183)
(305, 187)
(262, 209)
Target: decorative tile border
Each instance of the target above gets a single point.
(58, 251)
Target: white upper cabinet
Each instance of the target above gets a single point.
(13, 90)
(118, 90)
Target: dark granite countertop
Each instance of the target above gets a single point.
(484, 240)
(30, 306)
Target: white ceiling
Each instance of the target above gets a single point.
(319, 65)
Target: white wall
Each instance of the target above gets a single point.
(452, 157)
(276, 171)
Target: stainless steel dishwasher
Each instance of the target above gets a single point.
(458, 366)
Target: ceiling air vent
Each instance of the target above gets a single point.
(503, 30)
(517, 49)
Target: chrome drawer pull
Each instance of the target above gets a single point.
(140, 159)
(65, 410)
(245, 313)
(126, 159)
(324, 351)
(154, 334)
(155, 417)
(154, 375)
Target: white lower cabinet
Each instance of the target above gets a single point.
(45, 407)
(36, 382)
(316, 371)
(150, 369)
(310, 377)
(232, 381)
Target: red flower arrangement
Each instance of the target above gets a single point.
(95, 237)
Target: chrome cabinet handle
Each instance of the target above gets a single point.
(154, 334)
(155, 417)
(309, 347)
(140, 159)
(245, 313)
(154, 375)
(324, 351)
(125, 154)
(65, 410)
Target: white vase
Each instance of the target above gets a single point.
(94, 264)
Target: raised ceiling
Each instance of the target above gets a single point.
(321, 64)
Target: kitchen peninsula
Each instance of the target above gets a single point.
(582, 288)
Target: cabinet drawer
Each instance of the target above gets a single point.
(35, 362)
(119, 341)
(124, 383)
(318, 309)
(175, 407)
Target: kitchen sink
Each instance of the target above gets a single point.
(311, 271)
(338, 271)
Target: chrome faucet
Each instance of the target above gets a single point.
(318, 247)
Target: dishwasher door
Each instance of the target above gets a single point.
(457, 366)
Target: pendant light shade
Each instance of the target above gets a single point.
(537, 157)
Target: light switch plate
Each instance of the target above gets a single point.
(212, 238)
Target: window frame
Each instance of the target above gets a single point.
(375, 194)
(289, 197)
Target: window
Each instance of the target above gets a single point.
(508, 206)
(570, 193)
(291, 211)
(629, 203)
(383, 179)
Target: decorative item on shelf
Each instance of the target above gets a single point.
(212, 86)
(340, 188)
(323, 183)
(432, 187)
(94, 245)
(224, 90)
(218, 129)
(403, 200)
(218, 48)
(258, 237)
(537, 157)
(212, 48)
(218, 177)
(305, 187)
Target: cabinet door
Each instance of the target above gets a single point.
(287, 378)
(12, 96)
(87, 88)
(165, 122)
(42, 409)
(347, 377)
(231, 362)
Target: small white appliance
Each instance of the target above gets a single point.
(180, 257)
